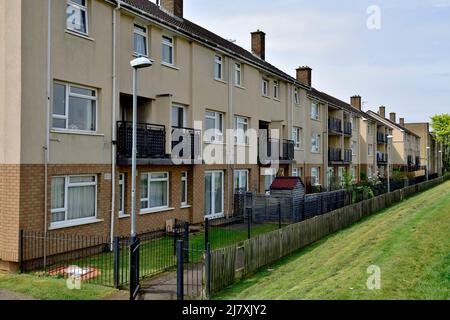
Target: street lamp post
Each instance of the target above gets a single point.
(389, 137)
(428, 163)
(136, 64)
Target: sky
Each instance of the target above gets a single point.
(402, 61)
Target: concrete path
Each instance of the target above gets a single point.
(8, 295)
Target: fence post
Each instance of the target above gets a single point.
(208, 271)
(186, 241)
(21, 250)
(249, 224)
(206, 233)
(180, 271)
(116, 262)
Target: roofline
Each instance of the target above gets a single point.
(165, 24)
(393, 124)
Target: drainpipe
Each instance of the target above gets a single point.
(47, 123)
(113, 121)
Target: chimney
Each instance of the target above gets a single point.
(393, 117)
(402, 122)
(304, 75)
(356, 102)
(259, 44)
(174, 7)
(382, 112)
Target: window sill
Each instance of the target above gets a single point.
(186, 207)
(80, 35)
(124, 216)
(221, 81)
(267, 97)
(81, 133)
(277, 100)
(64, 225)
(215, 216)
(151, 211)
(240, 87)
(168, 65)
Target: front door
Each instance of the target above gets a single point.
(214, 194)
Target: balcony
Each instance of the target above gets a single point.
(382, 138)
(334, 126)
(334, 155)
(348, 128)
(186, 143)
(382, 158)
(348, 156)
(286, 153)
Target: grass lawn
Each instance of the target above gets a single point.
(410, 242)
(46, 288)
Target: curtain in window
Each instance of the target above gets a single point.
(58, 185)
(81, 202)
(158, 194)
(140, 45)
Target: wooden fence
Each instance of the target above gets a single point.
(232, 263)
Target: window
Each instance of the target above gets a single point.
(315, 111)
(241, 127)
(296, 97)
(74, 108)
(276, 90)
(269, 177)
(369, 129)
(74, 198)
(178, 116)
(315, 143)
(184, 189)
(218, 67)
(214, 193)
(315, 176)
(297, 136)
(297, 172)
(370, 151)
(167, 50)
(238, 74)
(354, 123)
(214, 126)
(77, 17)
(353, 148)
(122, 194)
(154, 191)
(241, 180)
(140, 41)
(265, 87)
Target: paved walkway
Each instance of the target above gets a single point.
(8, 295)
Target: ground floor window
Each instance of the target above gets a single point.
(122, 194)
(297, 172)
(341, 173)
(315, 176)
(154, 191)
(241, 180)
(184, 188)
(214, 193)
(269, 177)
(73, 198)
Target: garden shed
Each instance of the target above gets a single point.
(294, 188)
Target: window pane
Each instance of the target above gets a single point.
(76, 19)
(121, 197)
(140, 44)
(218, 199)
(144, 186)
(82, 91)
(59, 99)
(82, 115)
(58, 189)
(167, 54)
(158, 194)
(58, 217)
(159, 176)
(87, 179)
(59, 123)
(81, 202)
(184, 192)
(208, 194)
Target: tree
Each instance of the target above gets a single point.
(441, 128)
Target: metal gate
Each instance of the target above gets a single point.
(193, 272)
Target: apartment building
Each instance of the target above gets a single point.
(405, 150)
(430, 148)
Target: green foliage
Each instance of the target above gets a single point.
(348, 182)
(441, 128)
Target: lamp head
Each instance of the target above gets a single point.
(140, 63)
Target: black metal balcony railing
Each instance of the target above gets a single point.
(334, 125)
(382, 138)
(334, 155)
(286, 153)
(382, 158)
(348, 129)
(348, 156)
(288, 150)
(151, 140)
(189, 142)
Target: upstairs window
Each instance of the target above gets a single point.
(315, 115)
(354, 148)
(265, 87)
(74, 108)
(140, 41)
(77, 17)
(296, 97)
(297, 137)
(218, 67)
(214, 126)
(241, 127)
(276, 90)
(315, 143)
(167, 50)
(238, 74)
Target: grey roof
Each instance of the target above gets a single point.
(393, 124)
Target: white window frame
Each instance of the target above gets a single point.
(315, 178)
(137, 31)
(68, 94)
(67, 186)
(369, 130)
(265, 84)
(81, 8)
(214, 175)
(315, 106)
(183, 108)
(239, 174)
(297, 136)
(238, 139)
(168, 41)
(296, 172)
(296, 97)
(276, 89)
(218, 122)
(238, 74)
(122, 191)
(354, 147)
(150, 209)
(218, 62)
(317, 138)
(184, 181)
